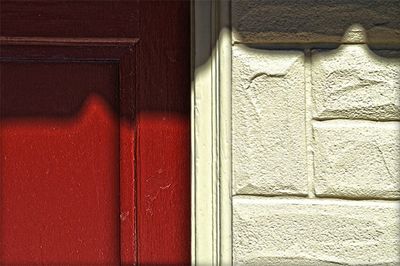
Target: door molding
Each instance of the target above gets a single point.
(211, 133)
(121, 51)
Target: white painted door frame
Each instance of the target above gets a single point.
(211, 133)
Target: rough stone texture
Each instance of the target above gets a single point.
(355, 34)
(354, 82)
(268, 124)
(315, 232)
(357, 159)
(314, 21)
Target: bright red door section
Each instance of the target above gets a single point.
(59, 163)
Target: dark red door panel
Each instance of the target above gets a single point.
(95, 132)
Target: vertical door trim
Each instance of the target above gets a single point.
(211, 133)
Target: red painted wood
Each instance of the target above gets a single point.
(152, 109)
(128, 143)
(70, 18)
(59, 164)
(117, 52)
(164, 133)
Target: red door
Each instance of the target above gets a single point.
(94, 132)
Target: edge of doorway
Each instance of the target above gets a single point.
(211, 237)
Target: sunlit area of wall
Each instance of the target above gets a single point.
(315, 132)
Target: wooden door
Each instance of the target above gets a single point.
(94, 132)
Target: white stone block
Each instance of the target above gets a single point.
(354, 82)
(272, 231)
(268, 109)
(357, 159)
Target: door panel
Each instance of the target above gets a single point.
(60, 163)
(67, 151)
(95, 132)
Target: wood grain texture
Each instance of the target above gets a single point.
(149, 42)
(59, 164)
(57, 108)
(164, 133)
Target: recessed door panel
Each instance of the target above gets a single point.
(59, 163)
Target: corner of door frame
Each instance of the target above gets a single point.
(211, 133)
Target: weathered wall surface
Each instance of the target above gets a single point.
(316, 132)
(314, 21)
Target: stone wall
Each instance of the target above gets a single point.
(316, 132)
